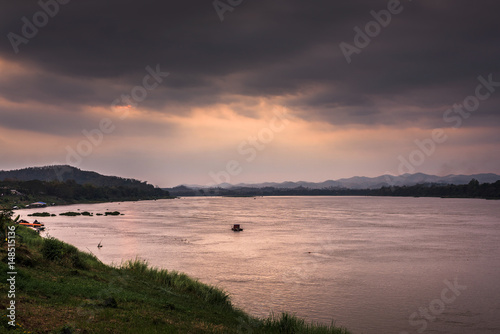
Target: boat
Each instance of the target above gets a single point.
(236, 228)
(39, 225)
(36, 225)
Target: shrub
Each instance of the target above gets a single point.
(25, 257)
(52, 249)
(114, 213)
(78, 262)
(40, 214)
(65, 254)
(72, 214)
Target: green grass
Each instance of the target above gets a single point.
(286, 323)
(62, 290)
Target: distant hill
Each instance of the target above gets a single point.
(64, 173)
(426, 188)
(70, 185)
(361, 182)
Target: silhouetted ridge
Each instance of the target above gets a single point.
(63, 173)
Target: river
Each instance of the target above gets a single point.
(371, 264)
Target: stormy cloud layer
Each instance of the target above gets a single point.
(425, 57)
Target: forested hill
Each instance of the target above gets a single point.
(68, 185)
(63, 173)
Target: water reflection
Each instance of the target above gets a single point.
(368, 263)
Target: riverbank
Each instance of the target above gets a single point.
(59, 289)
(21, 194)
(14, 203)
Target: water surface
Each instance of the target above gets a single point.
(368, 263)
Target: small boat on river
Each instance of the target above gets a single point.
(236, 228)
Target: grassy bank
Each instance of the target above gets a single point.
(62, 290)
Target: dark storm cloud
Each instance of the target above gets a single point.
(428, 57)
(57, 123)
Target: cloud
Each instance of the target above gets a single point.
(262, 49)
(264, 53)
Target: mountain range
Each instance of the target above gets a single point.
(64, 173)
(361, 182)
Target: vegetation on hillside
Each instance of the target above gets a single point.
(59, 289)
(471, 190)
(13, 192)
(63, 173)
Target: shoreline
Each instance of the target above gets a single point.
(68, 290)
(59, 204)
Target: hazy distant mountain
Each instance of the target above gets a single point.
(361, 182)
(64, 173)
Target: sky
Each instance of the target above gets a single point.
(204, 92)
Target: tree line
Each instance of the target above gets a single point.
(471, 190)
(71, 191)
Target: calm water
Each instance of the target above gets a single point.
(374, 265)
